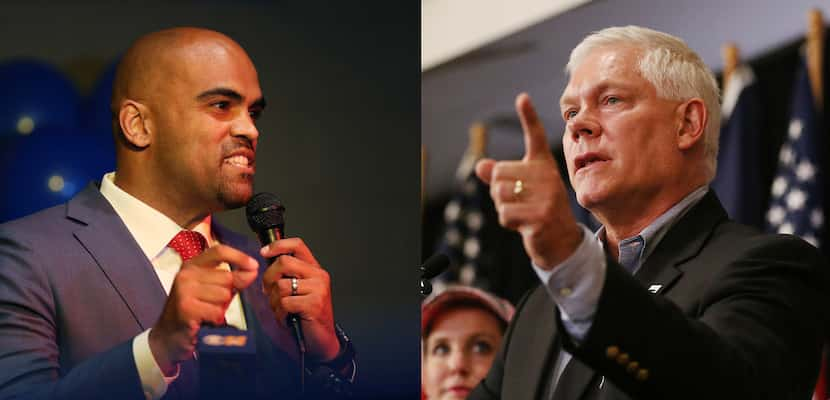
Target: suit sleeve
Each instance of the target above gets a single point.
(756, 333)
(29, 339)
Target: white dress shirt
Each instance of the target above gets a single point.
(153, 230)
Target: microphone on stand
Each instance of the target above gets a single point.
(265, 214)
(432, 267)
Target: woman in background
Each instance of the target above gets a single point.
(461, 331)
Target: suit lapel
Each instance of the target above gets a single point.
(107, 240)
(574, 380)
(538, 333)
(682, 242)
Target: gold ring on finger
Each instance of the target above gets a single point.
(518, 188)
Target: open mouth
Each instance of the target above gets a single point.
(239, 161)
(588, 159)
(241, 158)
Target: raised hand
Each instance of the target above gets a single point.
(200, 294)
(311, 300)
(530, 196)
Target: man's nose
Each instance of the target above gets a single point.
(245, 126)
(583, 124)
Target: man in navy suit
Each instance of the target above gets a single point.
(102, 297)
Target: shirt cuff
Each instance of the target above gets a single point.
(576, 284)
(153, 382)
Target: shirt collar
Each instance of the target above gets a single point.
(654, 232)
(151, 229)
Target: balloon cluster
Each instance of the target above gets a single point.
(53, 142)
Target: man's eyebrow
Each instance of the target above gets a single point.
(233, 94)
(599, 87)
(565, 100)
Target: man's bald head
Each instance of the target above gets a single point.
(155, 59)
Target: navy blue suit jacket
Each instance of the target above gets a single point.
(75, 289)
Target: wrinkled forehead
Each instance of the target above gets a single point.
(605, 67)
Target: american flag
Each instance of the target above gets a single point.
(797, 195)
(737, 182)
(464, 220)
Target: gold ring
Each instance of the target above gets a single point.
(295, 286)
(518, 188)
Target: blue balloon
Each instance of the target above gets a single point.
(35, 96)
(49, 167)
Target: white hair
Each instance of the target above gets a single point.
(675, 70)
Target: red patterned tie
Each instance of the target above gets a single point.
(188, 244)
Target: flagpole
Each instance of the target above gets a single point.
(815, 56)
(731, 57)
(423, 179)
(478, 140)
(815, 61)
(476, 150)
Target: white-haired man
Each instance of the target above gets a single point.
(670, 299)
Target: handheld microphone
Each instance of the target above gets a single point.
(265, 217)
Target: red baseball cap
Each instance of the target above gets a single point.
(438, 303)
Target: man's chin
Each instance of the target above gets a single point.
(589, 199)
(236, 195)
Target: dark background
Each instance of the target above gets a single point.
(339, 140)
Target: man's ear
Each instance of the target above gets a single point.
(692, 116)
(135, 124)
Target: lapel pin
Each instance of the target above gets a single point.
(654, 288)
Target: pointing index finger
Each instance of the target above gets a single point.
(218, 254)
(536, 144)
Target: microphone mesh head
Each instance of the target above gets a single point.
(435, 265)
(265, 211)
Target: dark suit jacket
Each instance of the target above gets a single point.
(75, 289)
(736, 315)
